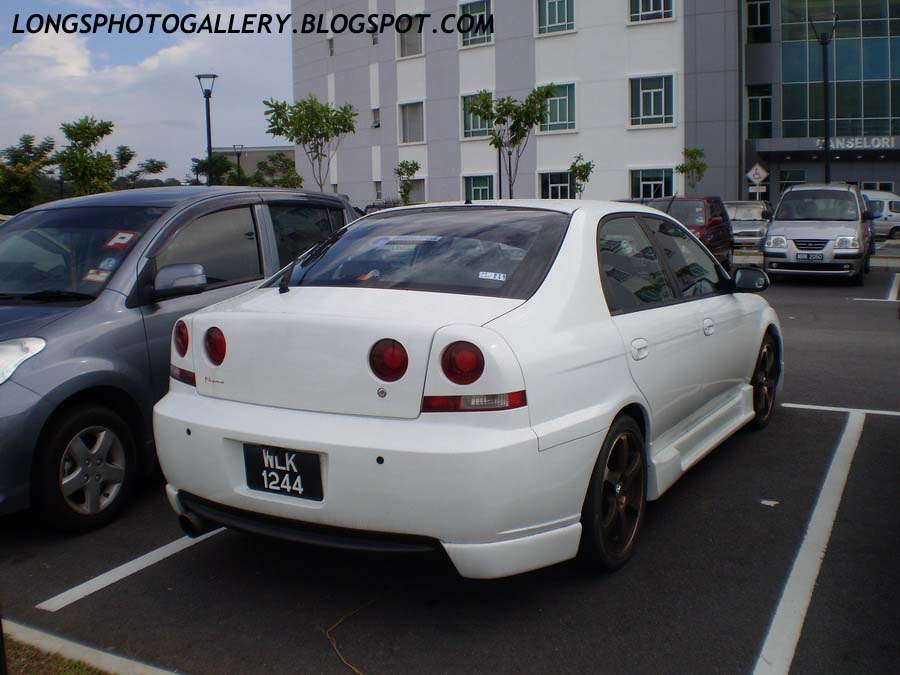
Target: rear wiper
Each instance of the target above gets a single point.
(49, 295)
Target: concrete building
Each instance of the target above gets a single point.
(637, 81)
(785, 101)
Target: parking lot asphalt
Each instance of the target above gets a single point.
(699, 595)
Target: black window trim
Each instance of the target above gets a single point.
(679, 298)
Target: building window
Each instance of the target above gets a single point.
(651, 100)
(788, 177)
(379, 195)
(334, 188)
(650, 10)
(409, 43)
(652, 183)
(412, 123)
(479, 188)
(330, 46)
(417, 194)
(760, 118)
(882, 186)
(555, 16)
(557, 185)
(759, 21)
(473, 125)
(482, 32)
(560, 113)
(376, 118)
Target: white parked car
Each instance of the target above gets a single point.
(510, 381)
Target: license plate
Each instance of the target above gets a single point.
(810, 256)
(284, 472)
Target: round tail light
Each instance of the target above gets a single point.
(214, 341)
(462, 362)
(182, 339)
(388, 360)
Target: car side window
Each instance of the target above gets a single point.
(895, 207)
(633, 277)
(298, 227)
(225, 243)
(338, 220)
(695, 269)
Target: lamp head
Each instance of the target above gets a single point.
(207, 82)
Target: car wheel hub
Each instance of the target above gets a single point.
(95, 452)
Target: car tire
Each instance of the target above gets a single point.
(858, 279)
(84, 468)
(616, 499)
(764, 381)
(867, 265)
(895, 233)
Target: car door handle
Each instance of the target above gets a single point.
(709, 327)
(640, 349)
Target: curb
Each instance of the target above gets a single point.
(78, 652)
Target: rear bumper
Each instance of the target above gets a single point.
(473, 483)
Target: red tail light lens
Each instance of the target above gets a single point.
(388, 360)
(214, 341)
(182, 339)
(482, 402)
(462, 362)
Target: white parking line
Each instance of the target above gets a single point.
(65, 599)
(75, 651)
(831, 408)
(784, 632)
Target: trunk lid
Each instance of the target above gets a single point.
(308, 349)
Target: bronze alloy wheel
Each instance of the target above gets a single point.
(614, 507)
(764, 381)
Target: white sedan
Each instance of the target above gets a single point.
(508, 381)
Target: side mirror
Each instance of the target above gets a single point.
(767, 214)
(868, 215)
(750, 280)
(182, 279)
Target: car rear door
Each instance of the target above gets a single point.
(226, 241)
(725, 331)
(659, 332)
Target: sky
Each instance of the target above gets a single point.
(143, 83)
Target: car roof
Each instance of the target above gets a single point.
(880, 194)
(569, 206)
(742, 202)
(846, 187)
(169, 196)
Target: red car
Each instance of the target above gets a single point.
(706, 217)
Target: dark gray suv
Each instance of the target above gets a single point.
(90, 289)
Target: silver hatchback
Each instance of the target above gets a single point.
(819, 229)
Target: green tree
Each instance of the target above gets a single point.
(513, 124)
(124, 155)
(694, 166)
(23, 170)
(217, 171)
(90, 170)
(276, 170)
(315, 126)
(581, 173)
(405, 171)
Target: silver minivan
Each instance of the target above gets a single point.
(886, 207)
(819, 229)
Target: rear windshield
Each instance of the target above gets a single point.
(686, 211)
(745, 211)
(490, 251)
(818, 205)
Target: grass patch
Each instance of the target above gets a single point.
(24, 659)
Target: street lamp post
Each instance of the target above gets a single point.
(825, 40)
(238, 150)
(207, 82)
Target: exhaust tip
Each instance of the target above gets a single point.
(194, 526)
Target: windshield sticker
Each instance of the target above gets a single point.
(120, 239)
(108, 264)
(492, 276)
(96, 275)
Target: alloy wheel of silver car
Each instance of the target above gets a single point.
(92, 470)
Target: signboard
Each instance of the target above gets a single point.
(757, 174)
(757, 189)
(860, 143)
